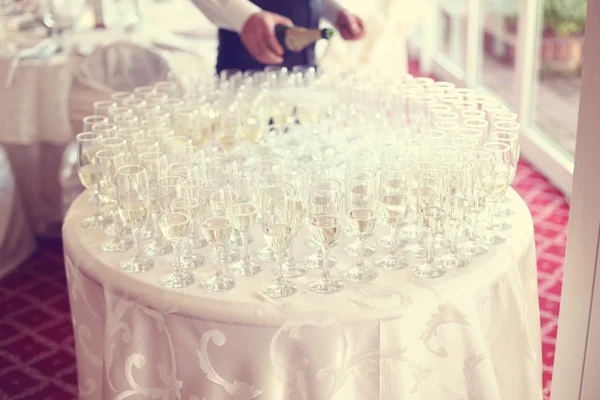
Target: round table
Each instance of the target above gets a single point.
(472, 334)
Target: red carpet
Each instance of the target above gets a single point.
(37, 358)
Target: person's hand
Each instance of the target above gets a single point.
(351, 26)
(258, 35)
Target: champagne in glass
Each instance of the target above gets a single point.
(395, 190)
(360, 203)
(133, 196)
(324, 215)
(243, 213)
(107, 163)
(431, 198)
(215, 196)
(278, 231)
(174, 222)
(88, 143)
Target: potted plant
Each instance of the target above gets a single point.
(562, 42)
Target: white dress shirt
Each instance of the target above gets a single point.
(232, 14)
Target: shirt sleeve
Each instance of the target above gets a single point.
(227, 14)
(331, 9)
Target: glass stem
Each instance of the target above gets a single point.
(177, 255)
(137, 233)
(430, 248)
(97, 212)
(188, 247)
(290, 257)
(218, 268)
(118, 225)
(360, 253)
(491, 212)
(245, 252)
(157, 235)
(454, 238)
(280, 259)
(325, 251)
(474, 226)
(394, 250)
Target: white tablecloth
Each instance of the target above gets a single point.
(473, 334)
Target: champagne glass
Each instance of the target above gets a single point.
(133, 197)
(483, 170)
(458, 207)
(512, 140)
(361, 202)
(395, 191)
(102, 107)
(126, 121)
(141, 91)
(121, 97)
(142, 146)
(243, 212)
(177, 145)
(172, 196)
(278, 215)
(228, 128)
(189, 170)
(365, 161)
(325, 214)
(431, 197)
(106, 129)
(217, 229)
(318, 170)
(266, 165)
(107, 162)
(502, 166)
(88, 143)
(91, 120)
(295, 176)
(156, 167)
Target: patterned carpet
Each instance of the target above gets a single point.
(37, 357)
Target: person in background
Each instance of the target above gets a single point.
(247, 29)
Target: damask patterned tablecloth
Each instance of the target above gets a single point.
(473, 334)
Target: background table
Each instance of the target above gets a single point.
(473, 334)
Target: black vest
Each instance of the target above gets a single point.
(305, 13)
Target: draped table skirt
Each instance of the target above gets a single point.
(472, 334)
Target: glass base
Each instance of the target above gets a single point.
(326, 286)
(292, 269)
(493, 237)
(236, 240)
(453, 261)
(314, 245)
(265, 253)
(429, 270)
(134, 264)
(94, 223)
(473, 248)
(356, 274)
(502, 226)
(278, 290)
(192, 261)
(386, 241)
(316, 261)
(249, 268)
(155, 249)
(147, 233)
(417, 249)
(352, 250)
(119, 245)
(198, 242)
(214, 284)
(392, 263)
(177, 281)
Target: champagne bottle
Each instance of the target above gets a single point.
(296, 39)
